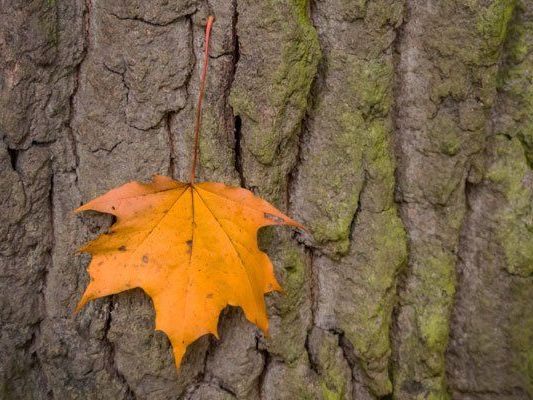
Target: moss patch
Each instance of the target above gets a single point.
(274, 114)
(493, 24)
(510, 173)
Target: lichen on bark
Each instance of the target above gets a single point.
(398, 131)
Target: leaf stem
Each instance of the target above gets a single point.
(198, 116)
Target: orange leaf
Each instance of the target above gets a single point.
(191, 247)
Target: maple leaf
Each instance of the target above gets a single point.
(191, 247)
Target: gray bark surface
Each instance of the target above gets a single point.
(399, 132)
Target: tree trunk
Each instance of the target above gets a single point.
(399, 132)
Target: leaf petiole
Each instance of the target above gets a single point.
(198, 116)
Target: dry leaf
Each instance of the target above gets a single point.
(191, 247)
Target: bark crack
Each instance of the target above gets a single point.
(13, 157)
(267, 359)
(171, 144)
(110, 360)
(34, 345)
(237, 122)
(152, 23)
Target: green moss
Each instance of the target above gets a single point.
(336, 194)
(243, 104)
(370, 81)
(521, 332)
(333, 370)
(458, 43)
(519, 46)
(493, 24)
(48, 22)
(472, 116)
(423, 347)
(438, 396)
(467, 64)
(336, 187)
(446, 134)
(382, 245)
(434, 329)
(451, 145)
(517, 84)
(509, 173)
(329, 394)
(288, 339)
(289, 78)
(454, 84)
(356, 117)
(355, 148)
(295, 277)
(437, 270)
(358, 141)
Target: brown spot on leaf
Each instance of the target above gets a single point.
(189, 246)
(145, 259)
(274, 218)
(209, 295)
(113, 208)
(122, 248)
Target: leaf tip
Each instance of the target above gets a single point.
(79, 306)
(266, 331)
(179, 352)
(84, 248)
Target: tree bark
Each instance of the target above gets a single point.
(399, 132)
